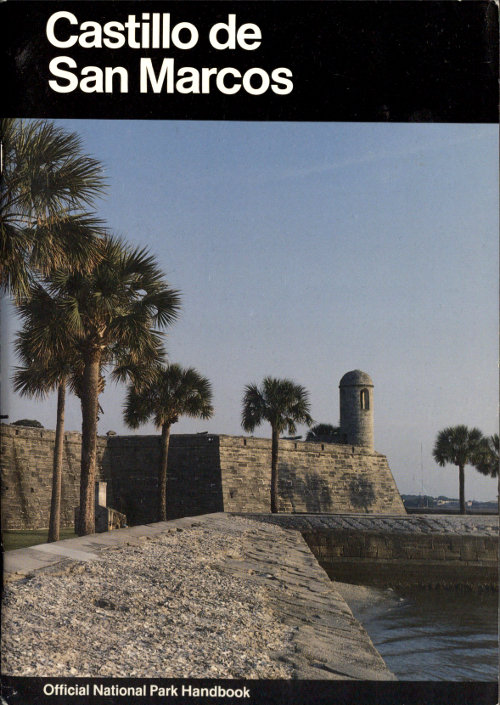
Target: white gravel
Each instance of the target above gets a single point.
(165, 608)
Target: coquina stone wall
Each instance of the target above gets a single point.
(207, 473)
(194, 483)
(399, 560)
(26, 456)
(425, 551)
(314, 477)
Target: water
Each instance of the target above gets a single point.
(431, 635)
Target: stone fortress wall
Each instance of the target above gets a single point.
(26, 458)
(207, 473)
(211, 473)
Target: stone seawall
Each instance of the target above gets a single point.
(402, 552)
(207, 473)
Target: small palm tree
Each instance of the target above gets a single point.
(171, 392)
(47, 183)
(460, 446)
(283, 404)
(115, 313)
(323, 433)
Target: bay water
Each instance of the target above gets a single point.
(431, 634)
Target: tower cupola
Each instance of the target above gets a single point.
(356, 409)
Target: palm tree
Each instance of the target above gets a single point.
(49, 361)
(172, 392)
(458, 445)
(47, 183)
(323, 433)
(283, 404)
(33, 381)
(487, 462)
(115, 313)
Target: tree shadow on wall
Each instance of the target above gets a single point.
(361, 493)
(311, 490)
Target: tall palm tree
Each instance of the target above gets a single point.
(283, 404)
(46, 186)
(458, 445)
(49, 361)
(172, 392)
(115, 313)
(33, 381)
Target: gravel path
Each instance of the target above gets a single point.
(166, 608)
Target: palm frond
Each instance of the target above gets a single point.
(37, 380)
(47, 183)
(487, 456)
(324, 433)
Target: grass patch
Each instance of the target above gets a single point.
(24, 538)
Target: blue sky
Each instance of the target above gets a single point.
(309, 249)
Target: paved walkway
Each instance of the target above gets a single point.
(24, 561)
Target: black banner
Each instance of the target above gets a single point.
(138, 691)
(363, 60)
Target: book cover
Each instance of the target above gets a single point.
(299, 202)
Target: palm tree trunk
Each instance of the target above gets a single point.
(55, 503)
(162, 473)
(90, 408)
(274, 471)
(461, 481)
